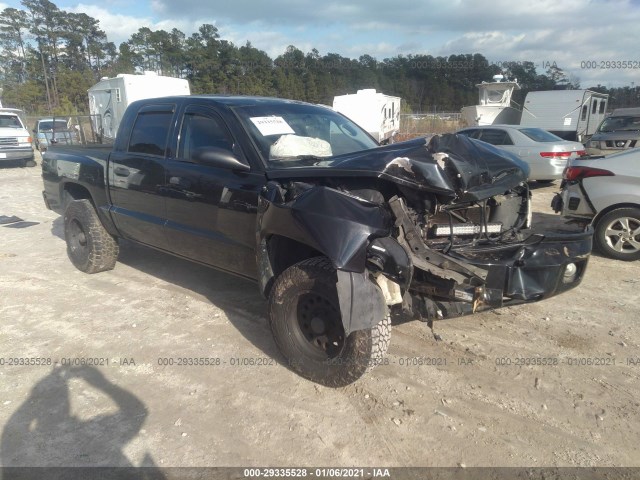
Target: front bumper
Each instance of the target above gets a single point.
(9, 155)
(542, 266)
(599, 152)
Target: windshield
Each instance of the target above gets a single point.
(540, 135)
(495, 96)
(616, 124)
(10, 121)
(291, 134)
(48, 125)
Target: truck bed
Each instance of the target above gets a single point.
(97, 152)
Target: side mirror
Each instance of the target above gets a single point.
(219, 157)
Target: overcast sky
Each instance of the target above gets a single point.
(574, 34)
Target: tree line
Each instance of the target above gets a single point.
(49, 58)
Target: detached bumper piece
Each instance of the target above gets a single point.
(541, 267)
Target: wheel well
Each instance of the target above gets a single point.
(611, 208)
(73, 191)
(285, 252)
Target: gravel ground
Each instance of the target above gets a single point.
(84, 378)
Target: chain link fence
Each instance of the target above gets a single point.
(88, 128)
(425, 124)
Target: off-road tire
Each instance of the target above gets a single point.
(621, 223)
(313, 281)
(89, 246)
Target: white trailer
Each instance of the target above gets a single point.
(377, 113)
(571, 114)
(109, 98)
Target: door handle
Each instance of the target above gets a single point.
(121, 171)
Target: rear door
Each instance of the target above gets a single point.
(211, 211)
(137, 175)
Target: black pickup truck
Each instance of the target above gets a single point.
(338, 232)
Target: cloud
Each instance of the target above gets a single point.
(118, 27)
(567, 33)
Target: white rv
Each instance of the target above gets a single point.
(377, 113)
(571, 114)
(110, 97)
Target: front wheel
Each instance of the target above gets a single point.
(304, 314)
(89, 246)
(617, 234)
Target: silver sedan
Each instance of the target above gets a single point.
(605, 192)
(545, 153)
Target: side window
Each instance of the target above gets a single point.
(496, 137)
(603, 103)
(200, 131)
(594, 106)
(469, 133)
(507, 139)
(150, 132)
(584, 113)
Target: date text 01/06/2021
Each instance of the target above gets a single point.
(325, 472)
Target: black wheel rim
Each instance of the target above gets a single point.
(317, 326)
(77, 237)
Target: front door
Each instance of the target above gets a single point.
(211, 211)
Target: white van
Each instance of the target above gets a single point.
(15, 141)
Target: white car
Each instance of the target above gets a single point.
(605, 192)
(545, 153)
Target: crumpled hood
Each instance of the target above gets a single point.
(450, 165)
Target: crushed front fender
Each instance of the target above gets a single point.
(337, 225)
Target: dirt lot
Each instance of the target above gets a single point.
(472, 399)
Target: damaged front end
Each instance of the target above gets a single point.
(442, 228)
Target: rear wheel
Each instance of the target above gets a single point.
(89, 246)
(617, 234)
(305, 318)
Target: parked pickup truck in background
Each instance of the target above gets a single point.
(337, 231)
(48, 131)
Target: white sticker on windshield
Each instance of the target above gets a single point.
(272, 125)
